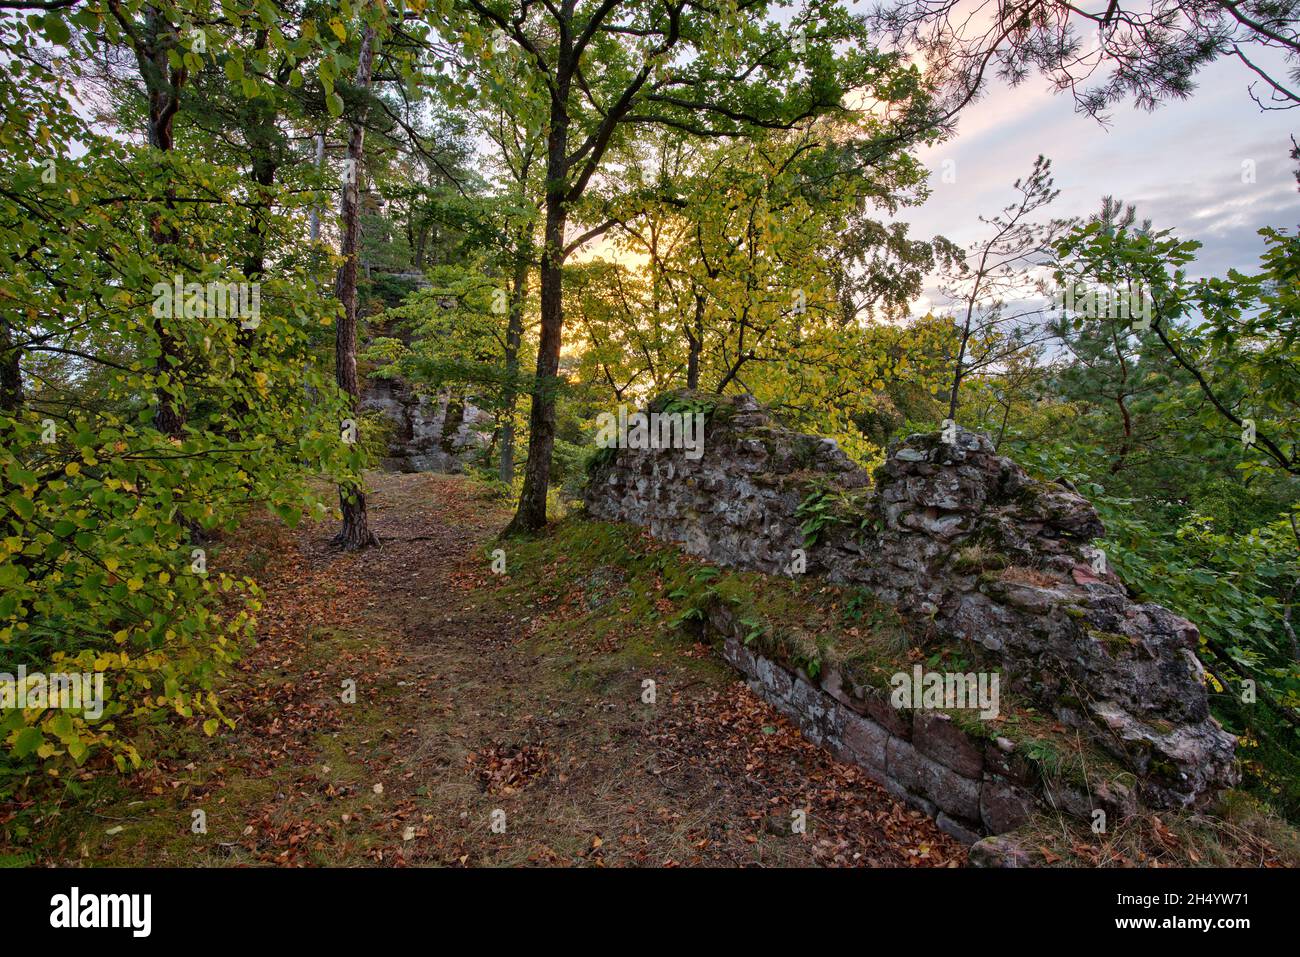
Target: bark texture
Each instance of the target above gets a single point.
(355, 533)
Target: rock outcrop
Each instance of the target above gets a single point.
(430, 434)
(967, 547)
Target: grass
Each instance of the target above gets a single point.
(638, 595)
(1238, 831)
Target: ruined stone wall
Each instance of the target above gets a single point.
(971, 787)
(968, 548)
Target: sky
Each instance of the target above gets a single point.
(1182, 165)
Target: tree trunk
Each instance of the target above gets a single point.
(356, 533)
(11, 374)
(421, 239)
(531, 515)
(163, 85)
(1124, 444)
(1118, 346)
(514, 336)
(1002, 432)
(696, 343)
(952, 395)
(261, 135)
(314, 226)
(959, 369)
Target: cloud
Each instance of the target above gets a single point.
(1214, 168)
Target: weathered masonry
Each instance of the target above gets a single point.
(968, 548)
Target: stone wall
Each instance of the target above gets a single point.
(968, 548)
(969, 787)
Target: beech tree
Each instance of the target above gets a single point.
(101, 496)
(152, 36)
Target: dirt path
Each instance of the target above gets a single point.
(465, 718)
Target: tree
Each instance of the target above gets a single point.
(1208, 524)
(100, 496)
(1108, 364)
(157, 44)
(355, 533)
(703, 69)
(455, 337)
(625, 344)
(519, 147)
(755, 264)
(1234, 336)
(999, 268)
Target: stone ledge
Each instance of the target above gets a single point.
(966, 805)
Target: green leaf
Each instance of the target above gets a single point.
(22, 505)
(28, 740)
(56, 29)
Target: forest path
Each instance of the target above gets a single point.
(462, 711)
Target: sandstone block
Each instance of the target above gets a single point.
(935, 735)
